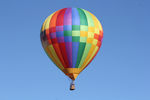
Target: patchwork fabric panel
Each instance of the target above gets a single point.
(71, 37)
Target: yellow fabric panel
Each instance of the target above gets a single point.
(96, 30)
(90, 35)
(91, 29)
(71, 70)
(52, 58)
(95, 50)
(55, 56)
(42, 29)
(43, 26)
(48, 21)
(89, 40)
(83, 33)
(98, 25)
(90, 56)
(95, 41)
(95, 21)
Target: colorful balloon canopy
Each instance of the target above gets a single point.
(71, 37)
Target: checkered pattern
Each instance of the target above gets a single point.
(78, 33)
(75, 36)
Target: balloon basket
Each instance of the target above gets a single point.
(72, 86)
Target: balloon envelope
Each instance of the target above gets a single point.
(71, 37)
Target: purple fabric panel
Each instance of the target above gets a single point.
(53, 35)
(60, 39)
(59, 28)
(68, 17)
(68, 39)
(69, 52)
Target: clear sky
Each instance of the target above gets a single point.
(120, 71)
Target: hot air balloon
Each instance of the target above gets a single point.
(71, 37)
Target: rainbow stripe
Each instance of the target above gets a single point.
(71, 38)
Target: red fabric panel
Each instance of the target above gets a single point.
(98, 43)
(58, 52)
(60, 22)
(54, 40)
(100, 35)
(60, 17)
(55, 44)
(52, 29)
(64, 54)
(96, 36)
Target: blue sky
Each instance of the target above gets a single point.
(120, 71)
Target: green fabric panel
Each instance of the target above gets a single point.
(75, 33)
(75, 39)
(85, 53)
(83, 39)
(67, 33)
(89, 18)
(88, 45)
(83, 28)
(80, 53)
(82, 17)
(76, 27)
(83, 21)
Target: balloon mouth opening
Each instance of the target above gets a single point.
(72, 73)
(72, 76)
